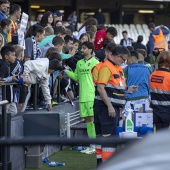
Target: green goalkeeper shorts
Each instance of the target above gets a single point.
(86, 109)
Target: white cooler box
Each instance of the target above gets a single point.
(143, 119)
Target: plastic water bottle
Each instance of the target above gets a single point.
(45, 160)
(78, 148)
(53, 164)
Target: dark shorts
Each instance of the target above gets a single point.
(103, 123)
(161, 119)
(23, 93)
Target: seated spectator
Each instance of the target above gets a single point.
(8, 57)
(138, 44)
(126, 41)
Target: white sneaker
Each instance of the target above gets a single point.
(90, 151)
(87, 149)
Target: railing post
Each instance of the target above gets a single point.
(68, 125)
(4, 149)
(58, 91)
(35, 97)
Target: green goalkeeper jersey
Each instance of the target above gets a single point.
(83, 75)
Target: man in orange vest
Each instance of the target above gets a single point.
(95, 71)
(157, 39)
(111, 88)
(160, 90)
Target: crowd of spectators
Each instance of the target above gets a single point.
(49, 41)
(51, 49)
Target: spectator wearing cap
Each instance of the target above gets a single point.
(58, 16)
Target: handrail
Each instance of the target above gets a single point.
(7, 83)
(3, 102)
(32, 140)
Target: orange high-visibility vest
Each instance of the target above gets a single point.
(160, 89)
(159, 40)
(115, 88)
(98, 66)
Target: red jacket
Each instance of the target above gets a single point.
(100, 39)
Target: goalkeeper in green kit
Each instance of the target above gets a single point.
(83, 75)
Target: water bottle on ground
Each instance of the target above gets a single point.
(54, 164)
(45, 160)
(78, 148)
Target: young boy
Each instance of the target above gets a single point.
(38, 71)
(8, 57)
(111, 33)
(17, 69)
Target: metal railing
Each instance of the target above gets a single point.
(71, 120)
(34, 140)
